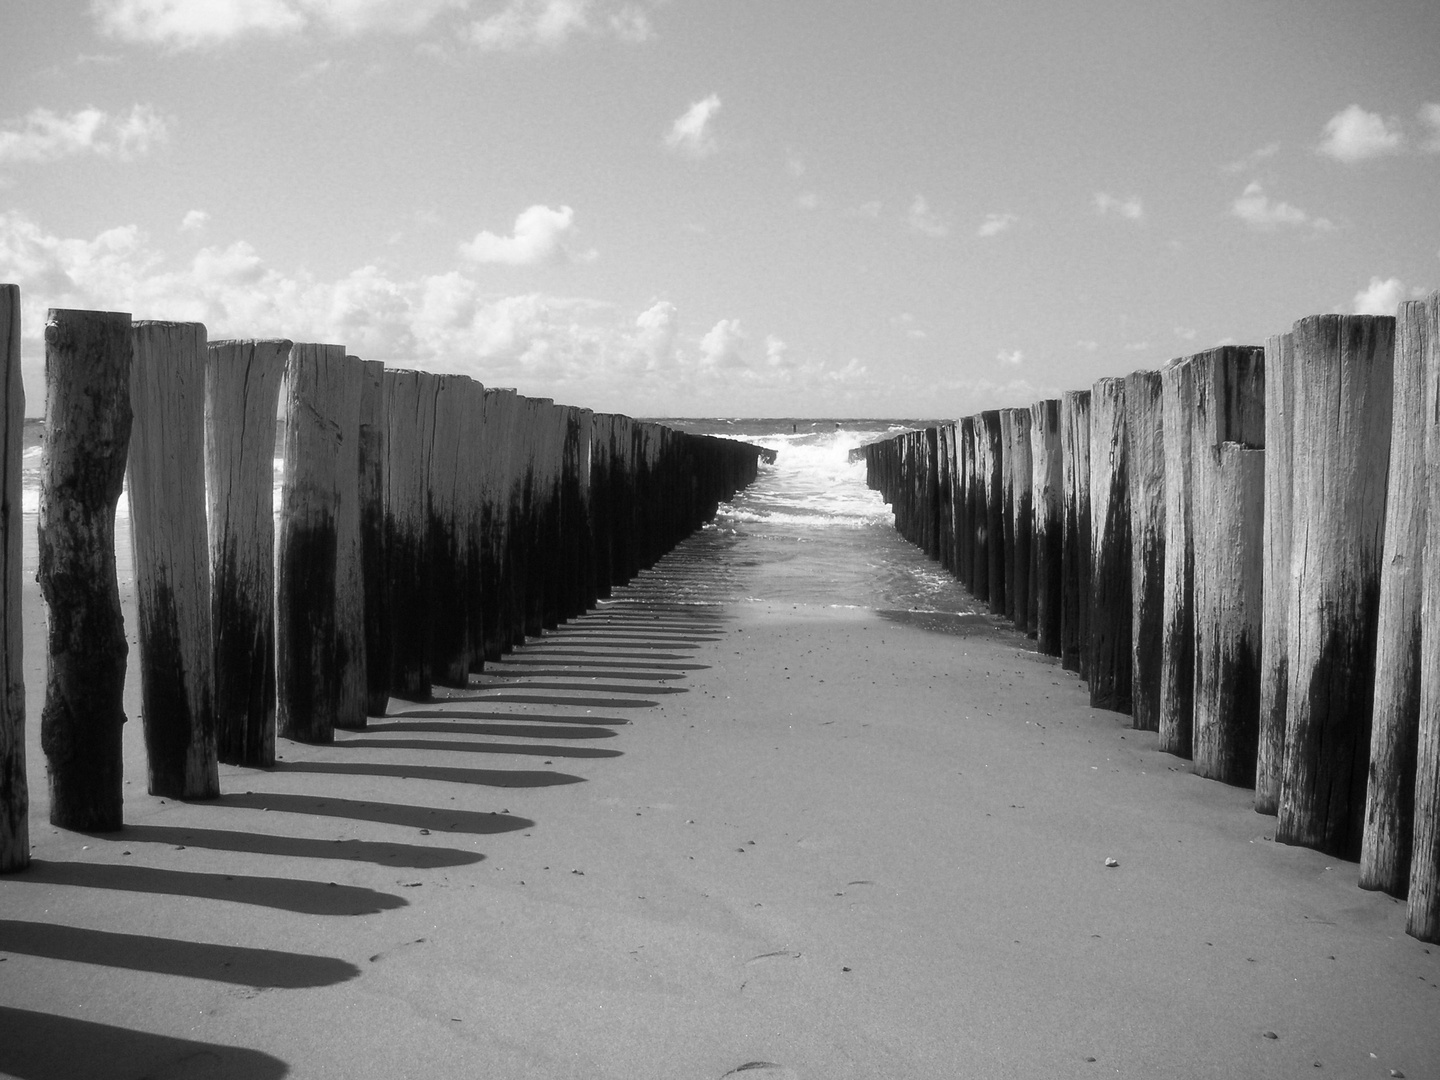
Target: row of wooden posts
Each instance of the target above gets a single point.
(1242, 552)
(426, 524)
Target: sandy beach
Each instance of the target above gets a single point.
(684, 841)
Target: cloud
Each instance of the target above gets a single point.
(1353, 135)
(995, 224)
(194, 221)
(1259, 211)
(530, 23)
(690, 134)
(906, 321)
(1130, 209)
(1185, 333)
(924, 220)
(1380, 297)
(657, 331)
(1012, 357)
(49, 136)
(1430, 117)
(537, 238)
(1088, 346)
(188, 24)
(723, 345)
(1250, 160)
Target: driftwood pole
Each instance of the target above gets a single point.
(320, 653)
(1279, 589)
(450, 619)
(1048, 503)
(1110, 615)
(87, 432)
(14, 786)
(1390, 795)
(372, 535)
(1227, 644)
(410, 427)
(1343, 402)
(242, 392)
(1176, 704)
(1423, 909)
(1145, 452)
(1075, 554)
(172, 566)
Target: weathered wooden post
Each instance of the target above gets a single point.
(992, 484)
(1047, 486)
(1176, 705)
(1075, 553)
(1019, 525)
(14, 785)
(497, 443)
(242, 392)
(1343, 401)
(966, 502)
(1145, 452)
(449, 656)
(472, 501)
(1228, 569)
(320, 617)
(172, 565)
(374, 566)
(87, 433)
(409, 433)
(1278, 586)
(1110, 642)
(1390, 795)
(1422, 917)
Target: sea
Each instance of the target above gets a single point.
(807, 532)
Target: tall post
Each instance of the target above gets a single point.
(1343, 402)
(449, 656)
(1048, 503)
(1075, 600)
(1110, 615)
(373, 560)
(991, 480)
(242, 393)
(410, 427)
(172, 565)
(14, 785)
(1145, 452)
(320, 653)
(1019, 523)
(1176, 704)
(87, 433)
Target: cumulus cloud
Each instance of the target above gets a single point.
(1130, 209)
(537, 238)
(1012, 357)
(723, 345)
(45, 136)
(691, 133)
(529, 23)
(657, 331)
(922, 219)
(1380, 297)
(1259, 211)
(1250, 160)
(995, 224)
(1353, 135)
(194, 221)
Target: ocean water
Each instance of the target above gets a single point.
(808, 531)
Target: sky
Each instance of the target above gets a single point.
(724, 207)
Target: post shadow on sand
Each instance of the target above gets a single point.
(577, 686)
(284, 894)
(559, 669)
(509, 731)
(42, 1046)
(540, 699)
(498, 778)
(529, 718)
(381, 853)
(453, 746)
(582, 661)
(235, 964)
(434, 818)
(547, 655)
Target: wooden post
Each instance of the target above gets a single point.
(1048, 506)
(965, 503)
(410, 427)
(449, 656)
(14, 786)
(1343, 401)
(320, 618)
(1145, 451)
(1019, 523)
(1390, 795)
(1423, 908)
(1075, 552)
(1110, 615)
(1227, 646)
(1175, 719)
(374, 567)
(1279, 587)
(87, 433)
(472, 497)
(172, 565)
(497, 442)
(992, 486)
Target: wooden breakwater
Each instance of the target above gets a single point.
(1247, 563)
(426, 523)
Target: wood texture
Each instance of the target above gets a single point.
(410, 426)
(449, 612)
(1176, 704)
(1145, 455)
(1109, 665)
(1075, 552)
(1343, 402)
(87, 433)
(1047, 485)
(1019, 521)
(14, 784)
(172, 558)
(496, 570)
(242, 394)
(991, 461)
(374, 569)
(320, 615)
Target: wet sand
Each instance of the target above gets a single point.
(674, 842)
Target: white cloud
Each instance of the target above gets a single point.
(1130, 209)
(538, 237)
(1259, 211)
(194, 221)
(994, 224)
(1380, 297)
(723, 345)
(1250, 160)
(907, 322)
(925, 220)
(776, 352)
(1430, 117)
(690, 134)
(1353, 135)
(195, 23)
(1088, 346)
(657, 330)
(1013, 357)
(527, 23)
(49, 136)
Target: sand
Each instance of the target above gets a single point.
(774, 841)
